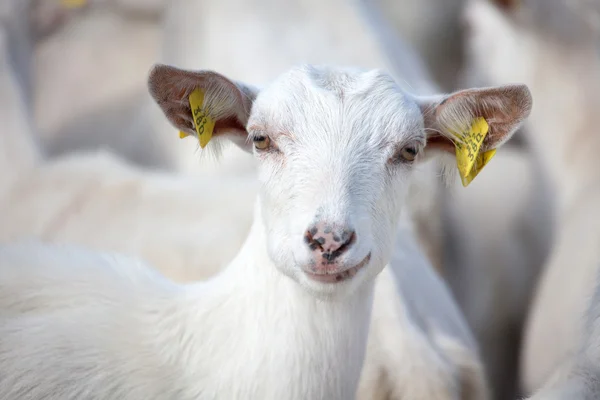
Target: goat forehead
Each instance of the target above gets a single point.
(334, 102)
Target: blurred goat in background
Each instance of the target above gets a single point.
(554, 47)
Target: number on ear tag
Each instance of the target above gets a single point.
(468, 157)
(202, 121)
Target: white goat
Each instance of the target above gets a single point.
(333, 174)
(147, 139)
(550, 45)
(98, 201)
(272, 33)
(262, 33)
(141, 214)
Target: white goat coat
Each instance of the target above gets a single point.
(76, 200)
(81, 325)
(143, 337)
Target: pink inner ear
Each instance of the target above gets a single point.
(170, 88)
(230, 124)
(504, 109)
(440, 143)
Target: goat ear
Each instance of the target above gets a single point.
(226, 103)
(504, 108)
(471, 124)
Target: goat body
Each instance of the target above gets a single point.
(181, 341)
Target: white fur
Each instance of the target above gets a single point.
(69, 184)
(166, 341)
(331, 348)
(424, 201)
(275, 35)
(77, 192)
(112, 112)
(419, 346)
(550, 46)
(158, 218)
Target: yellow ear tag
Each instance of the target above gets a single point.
(202, 121)
(73, 3)
(468, 158)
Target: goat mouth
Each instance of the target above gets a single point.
(335, 277)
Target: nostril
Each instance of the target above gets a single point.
(310, 240)
(350, 238)
(330, 243)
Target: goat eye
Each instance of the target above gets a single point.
(261, 142)
(408, 153)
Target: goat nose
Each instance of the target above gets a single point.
(328, 241)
